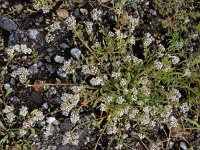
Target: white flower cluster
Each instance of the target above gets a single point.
(115, 75)
(20, 48)
(55, 26)
(161, 51)
(89, 69)
(158, 65)
(74, 117)
(184, 107)
(49, 37)
(144, 80)
(96, 14)
(96, 81)
(131, 40)
(43, 7)
(89, 25)
(123, 81)
(77, 89)
(102, 107)
(106, 99)
(174, 59)
(69, 102)
(22, 73)
(173, 122)
(71, 22)
(9, 111)
(120, 35)
(148, 39)
(174, 95)
(39, 116)
(120, 100)
(166, 112)
(23, 111)
(70, 138)
(111, 129)
(187, 72)
(132, 23)
(68, 68)
(127, 59)
(136, 60)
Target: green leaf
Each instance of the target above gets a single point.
(10, 90)
(74, 78)
(2, 126)
(3, 140)
(32, 131)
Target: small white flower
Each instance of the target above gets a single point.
(70, 138)
(23, 111)
(174, 59)
(96, 14)
(22, 132)
(123, 81)
(119, 146)
(8, 109)
(71, 22)
(120, 100)
(102, 107)
(148, 39)
(173, 122)
(158, 65)
(96, 81)
(74, 117)
(187, 72)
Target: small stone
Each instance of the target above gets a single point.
(6, 86)
(84, 11)
(50, 69)
(7, 24)
(63, 46)
(61, 72)
(32, 33)
(33, 69)
(183, 146)
(62, 13)
(66, 125)
(76, 53)
(64, 147)
(39, 64)
(13, 38)
(12, 81)
(47, 58)
(59, 59)
(50, 50)
(50, 120)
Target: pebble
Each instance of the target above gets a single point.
(84, 11)
(13, 38)
(66, 125)
(183, 146)
(59, 59)
(63, 46)
(7, 24)
(6, 86)
(50, 120)
(33, 69)
(50, 69)
(62, 13)
(50, 50)
(47, 58)
(61, 73)
(76, 53)
(32, 33)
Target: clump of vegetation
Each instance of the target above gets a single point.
(136, 84)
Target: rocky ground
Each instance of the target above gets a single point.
(42, 73)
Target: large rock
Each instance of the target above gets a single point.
(7, 24)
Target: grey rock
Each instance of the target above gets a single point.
(7, 24)
(76, 53)
(59, 59)
(33, 69)
(183, 146)
(12, 81)
(63, 45)
(64, 147)
(13, 38)
(66, 125)
(56, 100)
(32, 33)
(50, 69)
(61, 72)
(39, 64)
(47, 58)
(6, 86)
(50, 50)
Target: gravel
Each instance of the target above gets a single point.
(7, 24)
(33, 69)
(59, 59)
(32, 34)
(76, 53)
